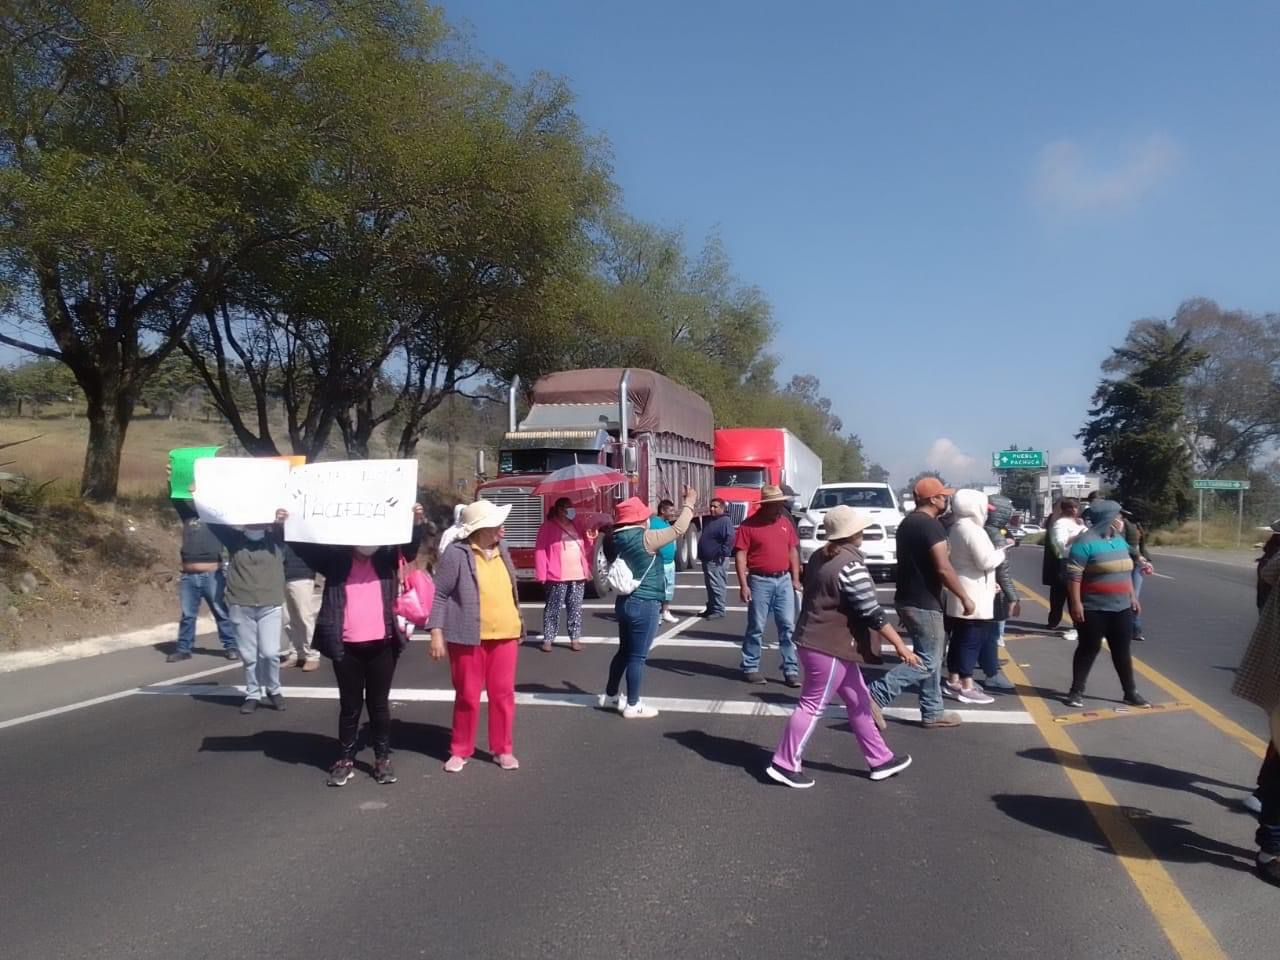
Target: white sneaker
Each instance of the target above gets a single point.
(1071, 636)
(1000, 641)
(639, 712)
(606, 702)
(1252, 804)
(974, 694)
(670, 617)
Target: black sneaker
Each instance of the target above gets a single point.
(1269, 870)
(232, 653)
(1137, 700)
(791, 679)
(178, 655)
(753, 676)
(341, 772)
(249, 706)
(714, 615)
(383, 772)
(277, 701)
(789, 779)
(886, 770)
(1074, 699)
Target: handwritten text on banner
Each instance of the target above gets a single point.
(353, 502)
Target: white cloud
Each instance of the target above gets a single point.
(1069, 181)
(1069, 457)
(949, 460)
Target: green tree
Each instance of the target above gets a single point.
(1020, 486)
(1134, 435)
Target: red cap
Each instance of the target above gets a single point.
(631, 510)
(931, 487)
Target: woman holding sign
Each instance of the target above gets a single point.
(356, 629)
(477, 611)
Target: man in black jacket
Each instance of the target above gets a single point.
(715, 547)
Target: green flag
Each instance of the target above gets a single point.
(182, 469)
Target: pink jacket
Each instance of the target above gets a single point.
(549, 547)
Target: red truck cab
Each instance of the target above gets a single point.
(748, 458)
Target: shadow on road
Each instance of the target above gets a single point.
(692, 668)
(428, 739)
(287, 746)
(750, 758)
(1167, 839)
(1139, 771)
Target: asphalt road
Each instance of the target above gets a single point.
(158, 822)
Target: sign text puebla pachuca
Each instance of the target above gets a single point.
(1018, 460)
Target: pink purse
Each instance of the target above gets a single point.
(417, 595)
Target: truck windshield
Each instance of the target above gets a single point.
(542, 461)
(863, 497)
(753, 477)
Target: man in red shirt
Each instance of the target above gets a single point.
(766, 553)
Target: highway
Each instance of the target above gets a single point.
(141, 816)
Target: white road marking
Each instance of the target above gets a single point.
(739, 708)
(118, 695)
(675, 631)
(1162, 576)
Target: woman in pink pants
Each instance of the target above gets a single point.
(839, 602)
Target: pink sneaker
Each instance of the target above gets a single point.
(508, 761)
(455, 764)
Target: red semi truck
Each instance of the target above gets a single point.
(747, 458)
(656, 431)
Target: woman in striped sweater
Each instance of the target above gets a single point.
(839, 603)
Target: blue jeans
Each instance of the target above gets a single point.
(970, 639)
(637, 624)
(713, 578)
(258, 637)
(777, 596)
(1138, 579)
(929, 637)
(207, 586)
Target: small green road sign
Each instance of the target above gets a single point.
(1220, 484)
(1018, 460)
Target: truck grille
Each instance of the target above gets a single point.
(527, 514)
(736, 510)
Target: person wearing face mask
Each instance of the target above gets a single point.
(1102, 601)
(476, 623)
(562, 563)
(356, 629)
(255, 603)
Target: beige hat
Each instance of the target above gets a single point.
(843, 522)
(771, 494)
(481, 515)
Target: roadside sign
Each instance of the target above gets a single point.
(1018, 460)
(1220, 484)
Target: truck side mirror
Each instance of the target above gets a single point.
(630, 460)
(480, 464)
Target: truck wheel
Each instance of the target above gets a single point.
(688, 553)
(598, 586)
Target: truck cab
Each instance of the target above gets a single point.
(876, 502)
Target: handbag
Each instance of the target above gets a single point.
(417, 595)
(622, 579)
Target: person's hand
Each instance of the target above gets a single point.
(745, 593)
(1077, 612)
(911, 658)
(799, 587)
(419, 515)
(282, 515)
(1015, 608)
(967, 605)
(1137, 607)
(438, 651)
(690, 497)
(1147, 569)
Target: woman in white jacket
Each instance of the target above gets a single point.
(975, 561)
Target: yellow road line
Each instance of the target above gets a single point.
(1186, 932)
(1254, 744)
(1121, 713)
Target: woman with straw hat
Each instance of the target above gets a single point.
(839, 605)
(475, 621)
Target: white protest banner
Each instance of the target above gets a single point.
(240, 490)
(359, 503)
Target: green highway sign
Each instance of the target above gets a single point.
(1220, 484)
(1018, 460)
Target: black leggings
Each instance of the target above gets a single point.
(1117, 628)
(1057, 601)
(364, 678)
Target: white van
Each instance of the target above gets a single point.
(877, 502)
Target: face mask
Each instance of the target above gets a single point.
(254, 535)
(366, 551)
(570, 513)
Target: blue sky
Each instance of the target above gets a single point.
(956, 209)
